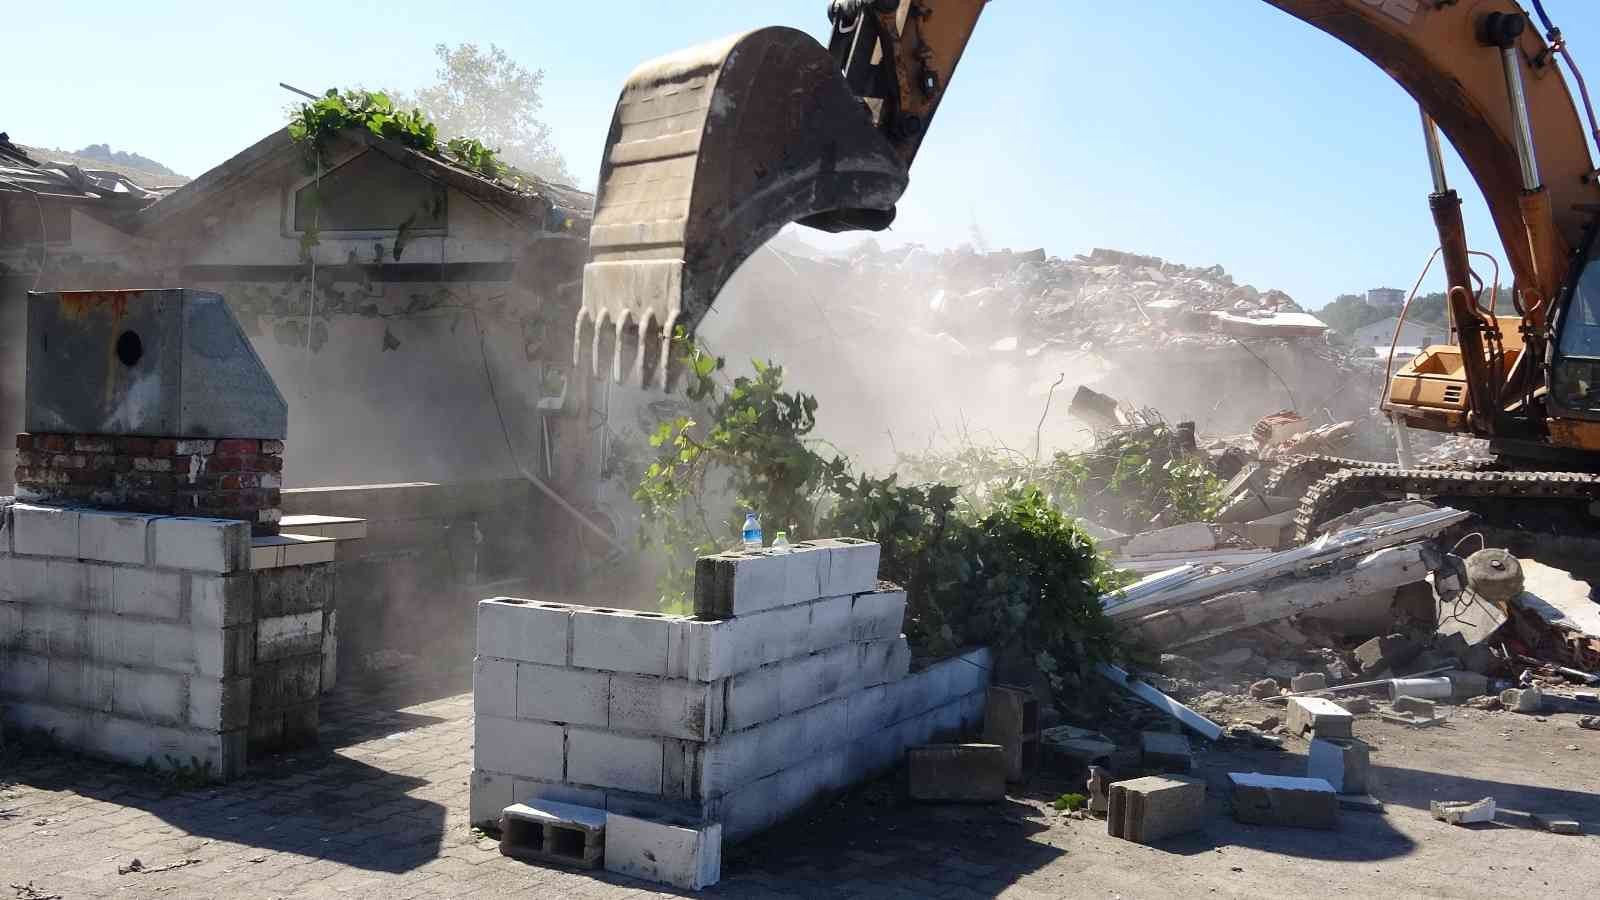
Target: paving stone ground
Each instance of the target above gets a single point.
(379, 810)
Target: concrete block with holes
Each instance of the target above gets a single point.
(547, 831)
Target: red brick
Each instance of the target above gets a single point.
(68, 461)
(24, 441)
(238, 447)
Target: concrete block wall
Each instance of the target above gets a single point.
(136, 637)
(407, 589)
(739, 720)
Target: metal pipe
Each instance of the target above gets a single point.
(1511, 61)
(1402, 442)
(1430, 137)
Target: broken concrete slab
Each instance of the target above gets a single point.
(1264, 688)
(1274, 532)
(1082, 746)
(1260, 799)
(1415, 706)
(1308, 681)
(1342, 763)
(957, 773)
(1162, 751)
(1186, 538)
(1355, 705)
(1558, 824)
(1192, 720)
(1528, 701)
(1320, 716)
(1463, 812)
(1386, 652)
(1146, 810)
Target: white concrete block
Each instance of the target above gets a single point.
(830, 625)
(610, 760)
(99, 587)
(680, 771)
(818, 677)
(494, 687)
(10, 617)
(517, 747)
(803, 572)
(877, 615)
(673, 707)
(135, 742)
(201, 545)
(146, 593)
(871, 711)
(140, 643)
(750, 810)
(557, 694)
(852, 566)
(524, 630)
(53, 632)
(803, 784)
(152, 697)
(54, 582)
(490, 792)
(80, 682)
(23, 675)
(738, 583)
(686, 858)
(217, 601)
(65, 726)
(44, 531)
(755, 696)
(113, 536)
(618, 641)
(880, 662)
(218, 705)
(527, 790)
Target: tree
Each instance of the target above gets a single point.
(489, 96)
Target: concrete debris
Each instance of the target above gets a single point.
(1099, 786)
(1163, 751)
(1592, 723)
(1264, 688)
(1360, 803)
(1260, 799)
(1081, 746)
(1342, 762)
(1556, 824)
(1528, 700)
(1415, 706)
(1386, 653)
(1412, 720)
(970, 773)
(1462, 812)
(1321, 717)
(1354, 705)
(1189, 718)
(1146, 810)
(1308, 681)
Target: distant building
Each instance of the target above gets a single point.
(1412, 334)
(1386, 298)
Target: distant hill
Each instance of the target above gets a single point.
(104, 153)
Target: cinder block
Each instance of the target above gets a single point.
(1281, 800)
(1011, 720)
(548, 831)
(217, 601)
(808, 680)
(218, 653)
(148, 593)
(755, 696)
(517, 747)
(686, 858)
(219, 546)
(557, 694)
(153, 697)
(617, 641)
(829, 627)
(44, 531)
(293, 589)
(490, 792)
(852, 566)
(524, 630)
(64, 726)
(23, 675)
(217, 704)
(1320, 716)
(804, 783)
(877, 615)
(53, 582)
(528, 790)
(53, 632)
(610, 760)
(1163, 751)
(673, 707)
(804, 567)
(494, 687)
(971, 773)
(113, 536)
(1146, 810)
(136, 742)
(680, 772)
(287, 636)
(739, 583)
(1342, 763)
(881, 662)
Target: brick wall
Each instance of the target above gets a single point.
(142, 637)
(231, 478)
(792, 681)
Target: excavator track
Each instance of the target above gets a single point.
(1294, 476)
(1539, 501)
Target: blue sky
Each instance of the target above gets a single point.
(1202, 132)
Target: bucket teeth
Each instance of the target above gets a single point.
(711, 152)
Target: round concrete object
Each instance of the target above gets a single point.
(1494, 574)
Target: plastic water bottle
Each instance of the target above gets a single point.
(780, 542)
(752, 532)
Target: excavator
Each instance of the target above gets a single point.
(714, 149)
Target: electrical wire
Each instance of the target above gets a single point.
(1293, 404)
(1388, 366)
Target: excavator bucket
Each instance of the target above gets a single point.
(712, 151)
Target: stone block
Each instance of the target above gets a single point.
(23, 675)
(489, 794)
(877, 615)
(739, 583)
(517, 747)
(1386, 652)
(1344, 764)
(287, 636)
(617, 641)
(155, 697)
(217, 601)
(547, 831)
(973, 773)
(1320, 716)
(686, 858)
(672, 707)
(45, 531)
(219, 546)
(1308, 681)
(1463, 812)
(852, 566)
(1415, 706)
(1282, 800)
(557, 694)
(1011, 719)
(610, 760)
(1163, 751)
(524, 630)
(217, 704)
(113, 536)
(494, 687)
(1150, 809)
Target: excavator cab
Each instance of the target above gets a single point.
(1575, 363)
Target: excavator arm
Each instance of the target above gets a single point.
(713, 150)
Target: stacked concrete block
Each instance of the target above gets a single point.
(1011, 719)
(143, 637)
(1146, 810)
(778, 692)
